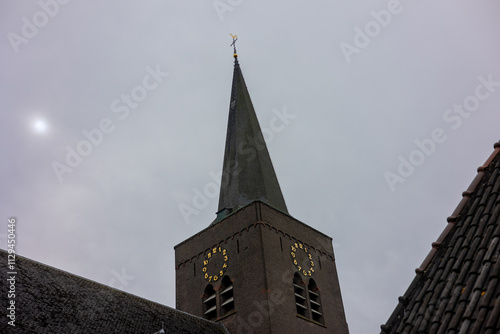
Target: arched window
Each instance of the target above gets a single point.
(209, 303)
(307, 299)
(315, 301)
(226, 296)
(300, 295)
(220, 302)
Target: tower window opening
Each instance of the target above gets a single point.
(315, 302)
(307, 299)
(209, 303)
(226, 296)
(300, 295)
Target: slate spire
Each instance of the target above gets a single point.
(248, 174)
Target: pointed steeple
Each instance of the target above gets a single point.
(248, 174)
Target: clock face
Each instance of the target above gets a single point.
(302, 259)
(215, 264)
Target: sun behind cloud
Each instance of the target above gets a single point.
(40, 126)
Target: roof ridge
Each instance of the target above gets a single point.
(102, 285)
(458, 210)
(487, 180)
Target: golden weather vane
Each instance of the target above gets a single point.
(233, 44)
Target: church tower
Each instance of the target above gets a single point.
(255, 268)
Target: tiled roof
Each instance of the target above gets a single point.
(457, 287)
(49, 300)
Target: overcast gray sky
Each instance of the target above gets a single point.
(392, 105)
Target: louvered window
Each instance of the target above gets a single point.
(315, 302)
(209, 303)
(218, 301)
(226, 296)
(307, 299)
(300, 295)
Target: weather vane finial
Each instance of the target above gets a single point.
(233, 44)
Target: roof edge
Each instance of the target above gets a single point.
(403, 300)
(5, 252)
(458, 210)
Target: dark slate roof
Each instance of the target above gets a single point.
(457, 287)
(49, 300)
(248, 172)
